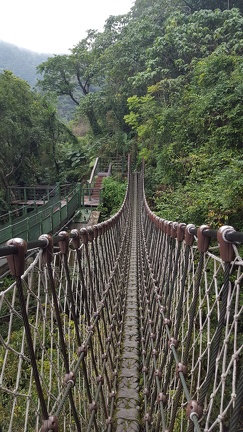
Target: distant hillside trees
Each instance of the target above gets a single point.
(20, 61)
(73, 75)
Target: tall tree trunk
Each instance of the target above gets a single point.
(6, 187)
(93, 122)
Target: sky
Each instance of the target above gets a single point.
(54, 26)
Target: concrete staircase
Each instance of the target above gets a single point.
(94, 199)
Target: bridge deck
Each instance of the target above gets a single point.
(91, 201)
(29, 202)
(32, 202)
(127, 416)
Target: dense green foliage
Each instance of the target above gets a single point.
(113, 194)
(189, 123)
(36, 147)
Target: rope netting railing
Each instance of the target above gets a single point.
(63, 314)
(61, 328)
(191, 305)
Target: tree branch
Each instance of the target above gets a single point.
(81, 85)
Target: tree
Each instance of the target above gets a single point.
(185, 39)
(102, 65)
(16, 139)
(212, 4)
(30, 134)
(190, 116)
(73, 75)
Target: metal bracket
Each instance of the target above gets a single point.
(16, 261)
(50, 424)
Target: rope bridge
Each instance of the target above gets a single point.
(134, 324)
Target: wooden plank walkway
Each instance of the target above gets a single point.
(29, 202)
(127, 417)
(36, 202)
(91, 202)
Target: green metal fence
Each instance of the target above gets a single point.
(45, 219)
(60, 203)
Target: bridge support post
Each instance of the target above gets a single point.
(16, 264)
(25, 200)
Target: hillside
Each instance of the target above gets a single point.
(20, 61)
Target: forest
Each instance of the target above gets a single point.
(163, 82)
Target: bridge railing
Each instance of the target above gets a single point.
(22, 210)
(47, 218)
(24, 193)
(37, 199)
(62, 318)
(61, 327)
(191, 306)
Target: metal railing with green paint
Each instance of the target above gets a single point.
(44, 208)
(44, 218)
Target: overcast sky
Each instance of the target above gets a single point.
(54, 26)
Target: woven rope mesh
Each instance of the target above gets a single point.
(190, 333)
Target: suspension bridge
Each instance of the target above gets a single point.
(134, 324)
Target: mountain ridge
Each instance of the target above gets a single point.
(21, 61)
